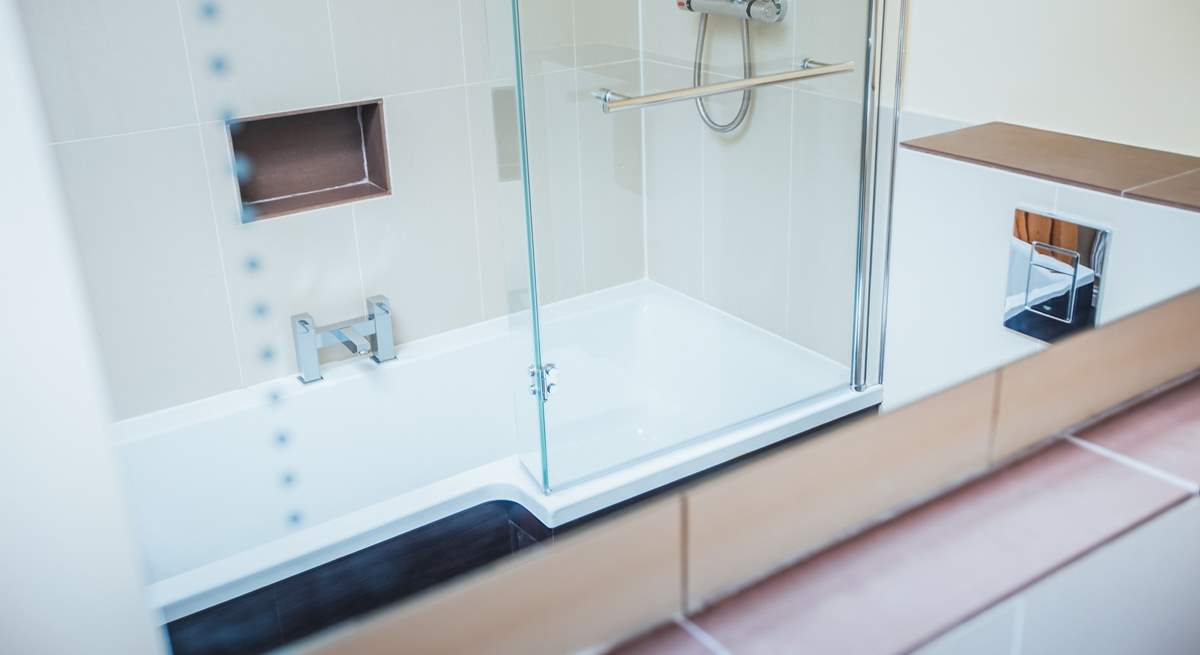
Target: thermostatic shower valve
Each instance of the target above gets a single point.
(763, 11)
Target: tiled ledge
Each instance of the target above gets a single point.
(903, 583)
(686, 552)
(1155, 176)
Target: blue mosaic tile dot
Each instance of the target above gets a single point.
(288, 479)
(209, 10)
(261, 309)
(219, 65)
(229, 117)
(295, 518)
(282, 438)
(267, 354)
(243, 168)
(253, 264)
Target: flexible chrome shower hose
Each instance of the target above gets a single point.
(747, 72)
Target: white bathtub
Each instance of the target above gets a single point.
(653, 386)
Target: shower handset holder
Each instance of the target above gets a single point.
(762, 11)
(365, 335)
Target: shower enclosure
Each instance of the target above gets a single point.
(710, 269)
(618, 242)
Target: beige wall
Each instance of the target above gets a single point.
(1110, 69)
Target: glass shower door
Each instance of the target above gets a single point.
(696, 272)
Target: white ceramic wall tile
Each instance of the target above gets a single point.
(303, 263)
(1136, 595)
(606, 32)
(386, 47)
(952, 223)
(611, 173)
(674, 206)
(419, 245)
(1152, 255)
(488, 40)
(260, 57)
(746, 187)
(547, 35)
(149, 253)
(501, 203)
(552, 124)
(94, 59)
(990, 633)
(826, 152)
(669, 35)
(833, 31)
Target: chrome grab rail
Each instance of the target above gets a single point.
(613, 101)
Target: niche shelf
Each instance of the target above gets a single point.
(304, 160)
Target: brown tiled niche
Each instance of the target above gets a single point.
(304, 160)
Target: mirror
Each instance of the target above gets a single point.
(1055, 269)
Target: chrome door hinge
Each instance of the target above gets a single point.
(546, 379)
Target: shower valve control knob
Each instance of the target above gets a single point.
(762, 11)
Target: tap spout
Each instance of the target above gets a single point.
(353, 342)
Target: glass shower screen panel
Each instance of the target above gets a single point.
(695, 272)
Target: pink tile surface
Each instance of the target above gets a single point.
(905, 582)
(1163, 432)
(670, 639)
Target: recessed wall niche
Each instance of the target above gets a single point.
(298, 161)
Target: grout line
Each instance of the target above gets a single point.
(574, 33)
(702, 138)
(791, 208)
(1134, 464)
(362, 143)
(702, 636)
(1018, 627)
(362, 277)
(212, 208)
(434, 89)
(462, 41)
(994, 421)
(300, 194)
(579, 175)
(645, 167)
(1125, 192)
(683, 559)
(212, 201)
(118, 135)
(337, 75)
(187, 60)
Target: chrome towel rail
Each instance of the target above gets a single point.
(613, 101)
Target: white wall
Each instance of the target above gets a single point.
(68, 567)
(1119, 70)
